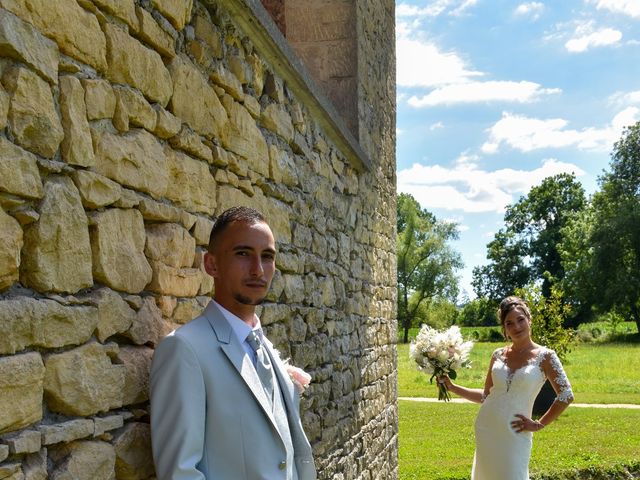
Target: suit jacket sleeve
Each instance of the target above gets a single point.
(177, 410)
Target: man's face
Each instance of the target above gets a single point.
(242, 264)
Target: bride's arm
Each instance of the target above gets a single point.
(564, 396)
(475, 395)
(560, 383)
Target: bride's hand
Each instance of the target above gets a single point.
(446, 381)
(525, 424)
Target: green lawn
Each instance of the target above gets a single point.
(599, 372)
(436, 441)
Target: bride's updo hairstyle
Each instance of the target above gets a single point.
(508, 304)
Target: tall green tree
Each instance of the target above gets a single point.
(426, 262)
(602, 252)
(526, 250)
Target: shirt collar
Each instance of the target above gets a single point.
(240, 328)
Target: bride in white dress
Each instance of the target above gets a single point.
(504, 428)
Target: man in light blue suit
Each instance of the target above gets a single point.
(222, 404)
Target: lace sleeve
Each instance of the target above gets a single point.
(558, 378)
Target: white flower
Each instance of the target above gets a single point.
(440, 352)
(299, 377)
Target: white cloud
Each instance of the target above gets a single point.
(464, 6)
(586, 37)
(436, 126)
(468, 188)
(435, 8)
(421, 64)
(527, 134)
(625, 98)
(627, 7)
(529, 9)
(474, 92)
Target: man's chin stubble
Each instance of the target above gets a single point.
(247, 301)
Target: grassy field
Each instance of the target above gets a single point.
(599, 372)
(436, 441)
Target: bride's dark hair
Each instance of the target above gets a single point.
(508, 304)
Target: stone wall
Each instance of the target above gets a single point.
(125, 128)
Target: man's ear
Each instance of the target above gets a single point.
(210, 265)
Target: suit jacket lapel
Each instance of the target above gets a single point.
(237, 356)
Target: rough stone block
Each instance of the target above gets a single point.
(202, 230)
(19, 173)
(5, 101)
(4, 452)
(131, 63)
(137, 110)
(21, 387)
(135, 160)
(66, 431)
(123, 9)
(206, 285)
(180, 282)
(11, 471)
(133, 452)
(293, 288)
(194, 101)
(75, 30)
(99, 99)
(187, 310)
(27, 441)
(156, 211)
(191, 184)
(209, 33)
(83, 460)
(282, 168)
(190, 142)
(96, 191)
(83, 381)
(275, 118)
(114, 314)
(35, 465)
(167, 124)
(154, 35)
(21, 41)
(57, 254)
(32, 117)
(105, 424)
(117, 243)
(148, 327)
(76, 146)
(137, 362)
(178, 12)
(170, 244)
(10, 246)
(243, 137)
(44, 323)
(227, 80)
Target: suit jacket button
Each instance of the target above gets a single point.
(282, 465)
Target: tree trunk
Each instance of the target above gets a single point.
(405, 337)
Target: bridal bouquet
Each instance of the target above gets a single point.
(440, 353)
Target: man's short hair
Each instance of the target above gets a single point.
(233, 214)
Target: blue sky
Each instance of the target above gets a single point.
(493, 96)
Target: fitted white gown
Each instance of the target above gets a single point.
(501, 453)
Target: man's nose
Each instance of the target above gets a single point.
(256, 267)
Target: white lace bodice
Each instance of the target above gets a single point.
(530, 377)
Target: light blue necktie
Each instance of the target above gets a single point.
(263, 364)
